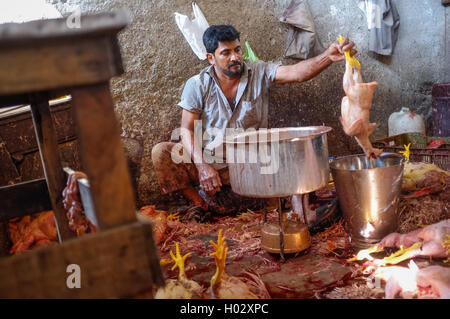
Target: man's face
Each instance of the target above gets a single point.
(227, 58)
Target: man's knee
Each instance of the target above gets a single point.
(161, 152)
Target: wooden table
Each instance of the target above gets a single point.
(39, 61)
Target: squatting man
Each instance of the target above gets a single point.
(231, 93)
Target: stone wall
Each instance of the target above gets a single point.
(158, 61)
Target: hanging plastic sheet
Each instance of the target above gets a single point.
(301, 38)
(383, 22)
(249, 54)
(193, 30)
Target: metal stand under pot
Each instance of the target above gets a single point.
(286, 235)
(278, 163)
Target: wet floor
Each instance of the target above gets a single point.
(301, 275)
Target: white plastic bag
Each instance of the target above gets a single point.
(193, 30)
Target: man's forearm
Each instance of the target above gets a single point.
(308, 69)
(193, 146)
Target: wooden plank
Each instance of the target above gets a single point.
(29, 165)
(133, 152)
(91, 25)
(102, 155)
(48, 148)
(17, 99)
(8, 172)
(5, 242)
(117, 263)
(18, 133)
(24, 199)
(57, 65)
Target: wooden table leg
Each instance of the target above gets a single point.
(4, 239)
(48, 148)
(103, 156)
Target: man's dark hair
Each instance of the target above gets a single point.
(216, 33)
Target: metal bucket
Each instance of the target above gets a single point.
(369, 193)
(278, 162)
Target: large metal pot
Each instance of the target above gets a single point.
(278, 162)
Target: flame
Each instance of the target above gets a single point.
(365, 253)
(404, 277)
(367, 230)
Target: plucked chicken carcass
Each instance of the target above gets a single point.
(433, 239)
(158, 219)
(224, 286)
(426, 177)
(183, 288)
(428, 282)
(436, 277)
(78, 221)
(29, 233)
(356, 105)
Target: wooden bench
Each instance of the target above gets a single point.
(41, 60)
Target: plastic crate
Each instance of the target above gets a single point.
(418, 149)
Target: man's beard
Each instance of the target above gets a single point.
(233, 73)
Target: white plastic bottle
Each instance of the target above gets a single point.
(405, 121)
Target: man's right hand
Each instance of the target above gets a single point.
(209, 178)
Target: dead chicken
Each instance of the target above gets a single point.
(78, 222)
(159, 220)
(436, 277)
(424, 178)
(356, 105)
(224, 286)
(181, 288)
(412, 282)
(29, 233)
(432, 237)
(431, 241)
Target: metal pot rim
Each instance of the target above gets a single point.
(385, 154)
(320, 130)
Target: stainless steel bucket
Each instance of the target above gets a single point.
(368, 192)
(278, 162)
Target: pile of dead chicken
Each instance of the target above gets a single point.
(425, 196)
(38, 230)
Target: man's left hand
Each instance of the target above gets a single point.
(336, 50)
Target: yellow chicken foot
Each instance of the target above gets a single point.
(406, 152)
(352, 61)
(164, 262)
(400, 255)
(174, 216)
(220, 256)
(179, 262)
(446, 245)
